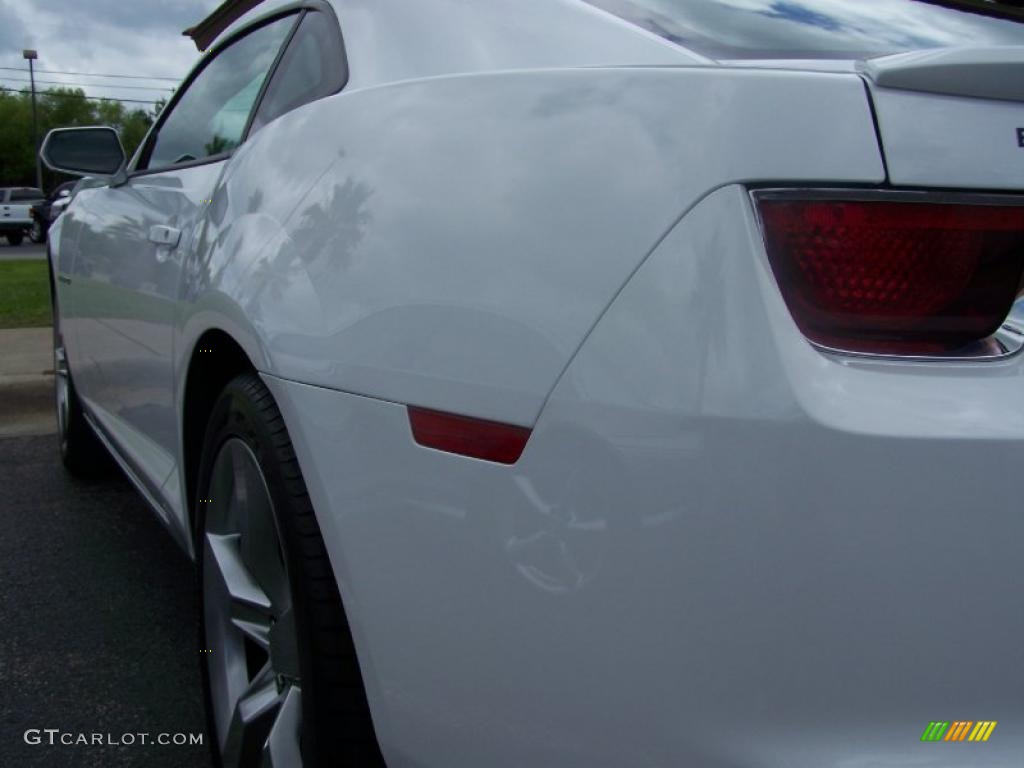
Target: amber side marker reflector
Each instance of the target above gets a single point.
(466, 436)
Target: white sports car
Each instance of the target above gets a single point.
(575, 384)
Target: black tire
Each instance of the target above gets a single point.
(37, 234)
(337, 729)
(15, 238)
(81, 452)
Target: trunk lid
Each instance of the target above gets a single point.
(951, 117)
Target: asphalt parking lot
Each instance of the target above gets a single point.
(99, 619)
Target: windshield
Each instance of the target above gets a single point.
(832, 29)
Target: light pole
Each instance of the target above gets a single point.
(31, 55)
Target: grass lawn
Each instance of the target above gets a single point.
(24, 294)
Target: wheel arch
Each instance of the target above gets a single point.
(214, 359)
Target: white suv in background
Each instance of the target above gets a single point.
(15, 219)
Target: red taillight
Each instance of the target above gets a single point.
(476, 438)
(894, 277)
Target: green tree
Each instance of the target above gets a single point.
(59, 108)
(16, 164)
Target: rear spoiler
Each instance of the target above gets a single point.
(979, 73)
(210, 28)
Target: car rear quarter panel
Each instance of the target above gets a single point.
(721, 547)
(449, 242)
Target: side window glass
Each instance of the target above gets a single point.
(211, 116)
(311, 68)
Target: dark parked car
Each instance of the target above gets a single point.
(45, 213)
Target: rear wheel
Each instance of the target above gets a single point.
(36, 234)
(280, 675)
(15, 238)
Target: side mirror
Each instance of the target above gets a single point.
(64, 193)
(83, 151)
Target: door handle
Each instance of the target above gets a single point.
(161, 235)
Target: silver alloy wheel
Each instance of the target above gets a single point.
(61, 390)
(252, 651)
(36, 233)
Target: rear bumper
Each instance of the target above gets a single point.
(721, 548)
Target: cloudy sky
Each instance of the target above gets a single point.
(120, 37)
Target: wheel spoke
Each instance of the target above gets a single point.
(257, 631)
(260, 698)
(220, 516)
(60, 367)
(260, 551)
(251, 721)
(253, 659)
(241, 586)
(282, 748)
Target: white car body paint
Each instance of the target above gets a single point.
(123, 304)
(959, 103)
(714, 549)
(919, 128)
(672, 570)
(421, 288)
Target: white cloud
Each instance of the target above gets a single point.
(126, 37)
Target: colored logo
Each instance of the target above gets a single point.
(959, 730)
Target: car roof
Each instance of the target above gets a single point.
(389, 41)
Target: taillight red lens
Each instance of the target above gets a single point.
(476, 438)
(893, 277)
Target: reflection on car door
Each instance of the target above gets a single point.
(128, 273)
(133, 243)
